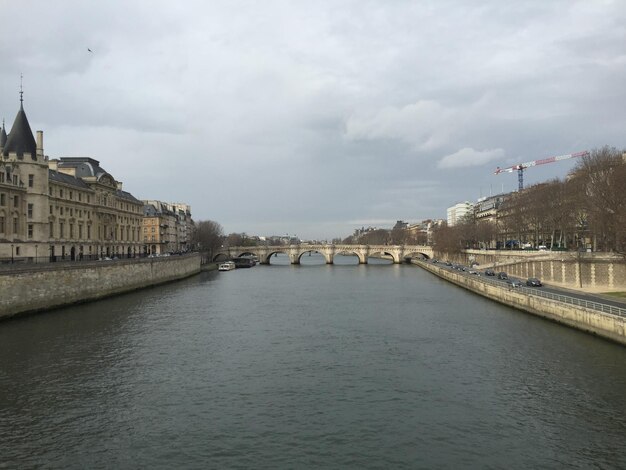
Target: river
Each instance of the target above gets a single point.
(310, 366)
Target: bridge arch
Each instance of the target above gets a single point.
(395, 259)
(416, 254)
(360, 255)
(328, 257)
(220, 257)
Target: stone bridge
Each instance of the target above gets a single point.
(398, 253)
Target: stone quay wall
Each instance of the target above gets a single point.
(43, 287)
(612, 327)
(591, 272)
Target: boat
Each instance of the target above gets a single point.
(226, 266)
(244, 262)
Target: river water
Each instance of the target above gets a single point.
(310, 366)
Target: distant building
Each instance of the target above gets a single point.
(486, 208)
(458, 211)
(167, 227)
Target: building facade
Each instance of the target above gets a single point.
(167, 227)
(456, 213)
(67, 208)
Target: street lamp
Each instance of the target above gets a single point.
(36, 246)
(11, 253)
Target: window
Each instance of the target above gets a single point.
(1, 224)
(61, 210)
(3, 199)
(71, 195)
(30, 230)
(31, 180)
(15, 225)
(88, 231)
(71, 230)
(51, 230)
(80, 196)
(17, 251)
(51, 210)
(60, 193)
(30, 211)
(88, 198)
(61, 227)
(16, 201)
(80, 231)
(71, 212)
(50, 190)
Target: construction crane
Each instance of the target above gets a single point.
(522, 166)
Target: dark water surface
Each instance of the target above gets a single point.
(307, 367)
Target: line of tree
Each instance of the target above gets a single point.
(586, 210)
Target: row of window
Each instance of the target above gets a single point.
(62, 193)
(103, 198)
(3, 226)
(3, 200)
(104, 232)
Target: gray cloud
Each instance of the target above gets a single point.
(333, 113)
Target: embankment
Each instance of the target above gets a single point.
(590, 272)
(608, 326)
(46, 286)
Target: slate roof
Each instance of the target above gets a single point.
(3, 136)
(127, 196)
(149, 210)
(20, 140)
(67, 179)
(84, 166)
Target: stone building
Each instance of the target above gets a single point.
(67, 208)
(167, 227)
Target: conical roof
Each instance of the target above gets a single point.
(20, 139)
(3, 136)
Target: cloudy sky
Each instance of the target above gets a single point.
(313, 118)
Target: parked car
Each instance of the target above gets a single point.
(473, 271)
(490, 272)
(502, 275)
(533, 282)
(514, 283)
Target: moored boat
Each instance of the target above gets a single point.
(244, 262)
(226, 266)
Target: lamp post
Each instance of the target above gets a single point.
(11, 253)
(36, 246)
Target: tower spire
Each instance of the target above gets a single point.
(21, 89)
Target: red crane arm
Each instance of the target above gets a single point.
(542, 161)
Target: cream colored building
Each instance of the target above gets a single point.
(60, 209)
(167, 227)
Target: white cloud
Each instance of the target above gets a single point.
(467, 157)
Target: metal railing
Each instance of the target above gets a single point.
(599, 306)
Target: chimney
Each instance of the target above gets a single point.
(39, 144)
(53, 165)
(119, 185)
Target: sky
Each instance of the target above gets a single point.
(315, 118)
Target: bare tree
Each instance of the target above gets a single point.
(602, 178)
(208, 237)
(375, 237)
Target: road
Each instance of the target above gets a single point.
(583, 296)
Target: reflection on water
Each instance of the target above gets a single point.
(362, 366)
